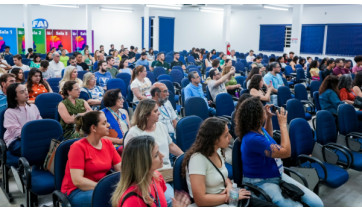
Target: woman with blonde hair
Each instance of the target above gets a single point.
(141, 184)
(231, 85)
(70, 73)
(95, 93)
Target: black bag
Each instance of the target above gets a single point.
(358, 102)
(291, 191)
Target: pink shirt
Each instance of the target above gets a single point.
(356, 69)
(16, 118)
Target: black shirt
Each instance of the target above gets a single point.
(131, 55)
(84, 66)
(174, 63)
(196, 56)
(326, 72)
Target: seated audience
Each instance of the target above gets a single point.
(195, 89)
(95, 92)
(339, 70)
(302, 62)
(358, 66)
(116, 116)
(257, 63)
(231, 85)
(250, 58)
(208, 60)
(36, 85)
(150, 55)
(141, 184)
(123, 67)
(160, 62)
(44, 64)
(323, 63)
(255, 88)
(87, 58)
(143, 60)
(64, 58)
(291, 57)
(30, 55)
(70, 107)
(4, 66)
(261, 155)
(314, 70)
(116, 58)
(252, 72)
(168, 116)
(140, 84)
(345, 88)
(145, 122)
(357, 84)
(207, 185)
(19, 75)
(217, 83)
(222, 60)
(70, 74)
(49, 56)
(294, 62)
(19, 112)
(36, 62)
(5, 81)
(329, 94)
(281, 62)
(232, 55)
(273, 77)
(110, 66)
(329, 69)
(18, 63)
(176, 61)
(55, 66)
(79, 59)
(89, 159)
(348, 66)
(102, 75)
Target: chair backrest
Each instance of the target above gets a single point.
(347, 119)
(151, 77)
(300, 74)
(60, 161)
(26, 74)
(314, 86)
(54, 84)
(208, 94)
(224, 104)
(239, 67)
(186, 131)
(81, 74)
(240, 80)
(300, 92)
(326, 129)
(176, 75)
(295, 110)
(47, 104)
(288, 70)
(191, 59)
(196, 106)
(316, 100)
(159, 71)
(2, 128)
(283, 95)
(84, 95)
(237, 163)
(104, 189)
(35, 139)
(117, 83)
(164, 77)
(184, 82)
(126, 77)
(179, 182)
(301, 137)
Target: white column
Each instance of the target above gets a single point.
(28, 30)
(146, 26)
(296, 28)
(88, 24)
(156, 33)
(226, 25)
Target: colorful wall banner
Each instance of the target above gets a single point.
(38, 41)
(79, 38)
(8, 38)
(55, 37)
(21, 41)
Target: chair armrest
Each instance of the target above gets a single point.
(60, 198)
(288, 171)
(307, 102)
(351, 143)
(235, 98)
(347, 153)
(256, 190)
(225, 117)
(312, 159)
(314, 123)
(25, 172)
(3, 150)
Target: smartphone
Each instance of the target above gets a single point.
(274, 109)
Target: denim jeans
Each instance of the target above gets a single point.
(79, 198)
(271, 187)
(169, 194)
(15, 147)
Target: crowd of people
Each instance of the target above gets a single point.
(143, 144)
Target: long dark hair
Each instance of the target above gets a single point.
(85, 121)
(330, 82)
(358, 80)
(121, 65)
(29, 83)
(253, 71)
(210, 131)
(11, 95)
(255, 81)
(16, 71)
(249, 116)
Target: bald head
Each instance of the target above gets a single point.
(56, 57)
(159, 93)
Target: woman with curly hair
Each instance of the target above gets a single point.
(261, 155)
(255, 88)
(36, 85)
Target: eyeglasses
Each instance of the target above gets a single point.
(165, 91)
(120, 98)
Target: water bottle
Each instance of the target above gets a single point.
(234, 196)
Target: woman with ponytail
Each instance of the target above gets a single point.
(89, 159)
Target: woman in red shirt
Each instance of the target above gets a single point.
(345, 88)
(89, 159)
(36, 84)
(141, 185)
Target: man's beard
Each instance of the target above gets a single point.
(162, 101)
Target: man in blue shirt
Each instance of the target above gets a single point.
(195, 89)
(102, 76)
(5, 81)
(143, 60)
(276, 79)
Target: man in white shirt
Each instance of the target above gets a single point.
(18, 64)
(168, 116)
(232, 55)
(250, 57)
(55, 66)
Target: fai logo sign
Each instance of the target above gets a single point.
(40, 23)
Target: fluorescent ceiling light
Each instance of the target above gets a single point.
(171, 7)
(211, 10)
(61, 5)
(119, 10)
(275, 8)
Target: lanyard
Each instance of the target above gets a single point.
(122, 118)
(157, 203)
(168, 115)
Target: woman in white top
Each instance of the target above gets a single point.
(150, 55)
(207, 185)
(123, 67)
(70, 74)
(255, 88)
(145, 122)
(94, 91)
(141, 85)
(208, 60)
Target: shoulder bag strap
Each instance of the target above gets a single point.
(217, 169)
(130, 194)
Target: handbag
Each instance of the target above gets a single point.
(291, 191)
(358, 102)
(49, 159)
